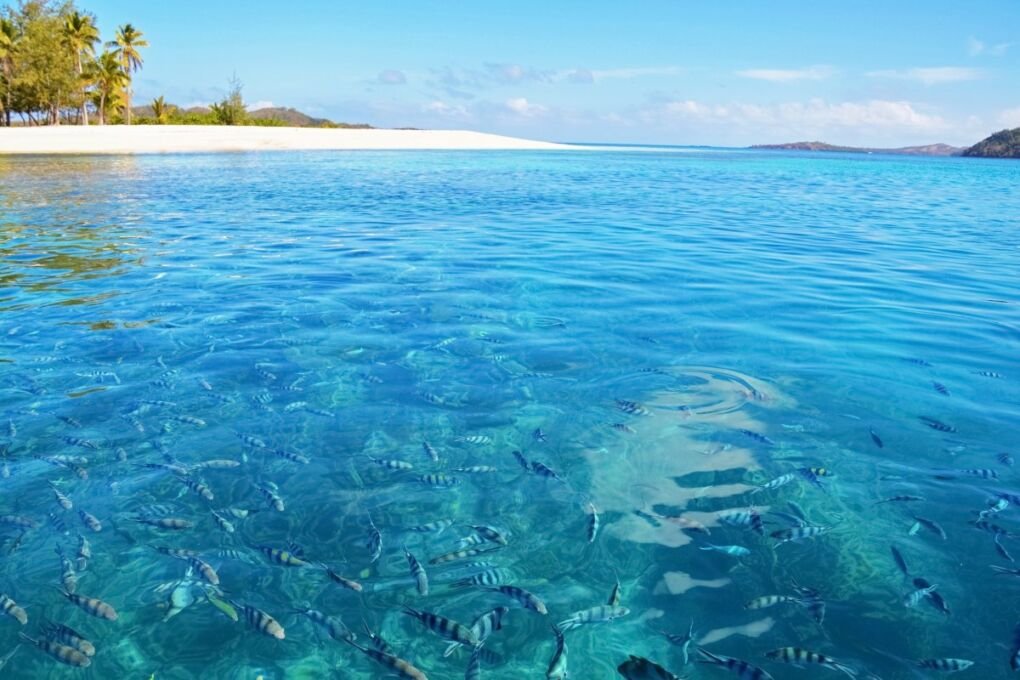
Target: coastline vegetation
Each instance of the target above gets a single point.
(55, 69)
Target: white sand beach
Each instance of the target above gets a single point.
(140, 139)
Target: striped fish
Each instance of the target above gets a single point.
(391, 463)
(215, 464)
(68, 577)
(336, 577)
(797, 533)
(374, 542)
(174, 523)
(744, 519)
(198, 487)
(251, 440)
(593, 522)
(436, 527)
(741, 668)
(444, 627)
(477, 469)
(430, 451)
(286, 558)
(767, 601)
(291, 456)
(90, 521)
(931, 526)
(802, 657)
(11, 608)
(488, 577)
(477, 439)
(558, 663)
(524, 598)
(483, 626)
(934, 598)
(272, 497)
(439, 481)
(543, 470)
(912, 599)
(945, 665)
(682, 641)
(421, 579)
(490, 534)
(461, 554)
(734, 550)
(937, 424)
(781, 480)
(401, 668)
(62, 653)
(640, 668)
(62, 500)
(260, 620)
(632, 408)
(91, 605)
(70, 637)
(597, 614)
(222, 522)
(332, 625)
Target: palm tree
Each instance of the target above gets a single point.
(110, 80)
(161, 110)
(81, 35)
(8, 34)
(126, 46)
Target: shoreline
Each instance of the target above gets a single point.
(171, 139)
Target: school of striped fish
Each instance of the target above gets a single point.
(219, 526)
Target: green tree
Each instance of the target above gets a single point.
(80, 37)
(161, 111)
(44, 77)
(125, 46)
(8, 37)
(110, 82)
(231, 109)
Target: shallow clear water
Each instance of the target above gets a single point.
(346, 307)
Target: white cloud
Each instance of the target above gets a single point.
(522, 107)
(788, 75)
(1010, 117)
(636, 72)
(445, 110)
(936, 75)
(391, 77)
(976, 48)
(261, 104)
(805, 117)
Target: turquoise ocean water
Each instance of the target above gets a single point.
(662, 333)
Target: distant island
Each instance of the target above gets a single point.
(925, 150)
(1004, 144)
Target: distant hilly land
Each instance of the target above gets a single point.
(1004, 144)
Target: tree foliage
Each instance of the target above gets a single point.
(49, 69)
(231, 109)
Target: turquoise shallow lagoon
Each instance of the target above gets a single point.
(665, 332)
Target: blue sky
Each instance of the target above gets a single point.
(721, 73)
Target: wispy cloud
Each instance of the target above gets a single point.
(805, 117)
(391, 77)
(976, 48)
(936, 75)
(788, 75)
(522, 107)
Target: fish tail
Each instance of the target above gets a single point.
(852, 672)
(710, 657)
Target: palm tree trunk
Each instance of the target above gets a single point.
(102, 108)
(127, 100)
(84, 98)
